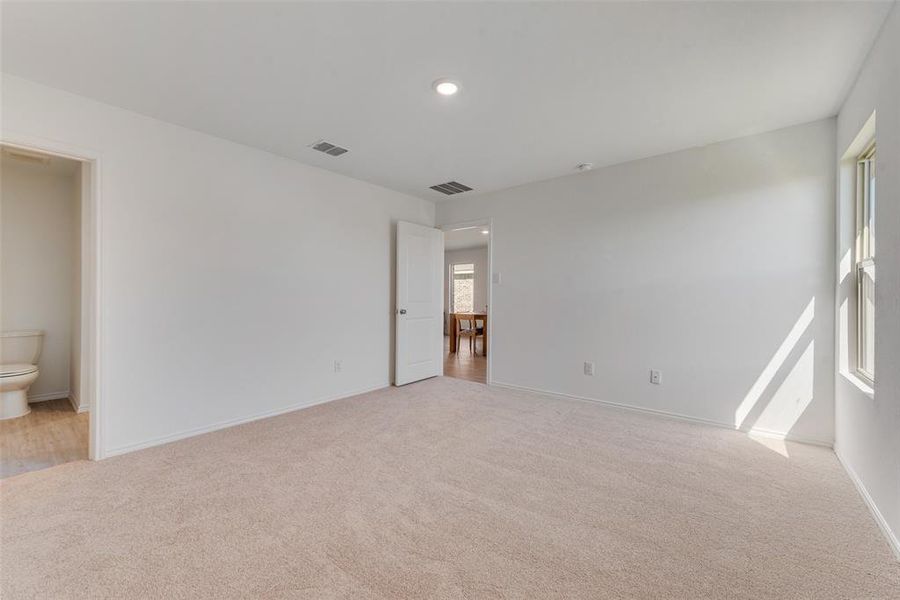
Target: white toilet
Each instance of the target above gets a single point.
(19, 354)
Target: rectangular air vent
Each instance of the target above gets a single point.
(451, 187)
(328, 148)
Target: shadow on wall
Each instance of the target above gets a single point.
(785, 388)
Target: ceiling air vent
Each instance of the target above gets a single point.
(328, 148)
(451, 187)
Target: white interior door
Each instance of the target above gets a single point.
(420, 305)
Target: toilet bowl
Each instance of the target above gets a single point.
(19, 353)
(15, 380)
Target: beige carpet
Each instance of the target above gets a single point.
(447, 489)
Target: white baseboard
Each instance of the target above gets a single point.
(779, 435)
(892, 540)
(49, 396)
(77, 405)
(174, 437)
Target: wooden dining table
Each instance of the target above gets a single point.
(454, 319)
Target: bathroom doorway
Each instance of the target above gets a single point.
(47, 309)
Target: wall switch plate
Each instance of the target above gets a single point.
(589, 368)
(337, 366)
(495, 278)
(655, 377)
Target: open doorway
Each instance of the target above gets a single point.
(44, 414)
(467, 272)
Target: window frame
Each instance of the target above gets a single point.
(865, 255)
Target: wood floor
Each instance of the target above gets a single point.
(51, 434)
(463, 365)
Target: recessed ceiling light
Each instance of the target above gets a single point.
(445, 87)
(485, 231)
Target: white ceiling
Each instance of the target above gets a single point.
(470, 237)
(545, 85)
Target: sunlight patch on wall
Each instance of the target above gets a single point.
(776, 362)
(845, 266)
(792, 397)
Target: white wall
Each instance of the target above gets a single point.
(231, 278)
(868, 426)
(476, 256)
(712, 264)
(38, 210)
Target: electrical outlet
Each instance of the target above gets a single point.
(589, 368)
(655, 377)
(337, 366)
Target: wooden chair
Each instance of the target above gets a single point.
(468, 327)
(465, 327)
(479, 332)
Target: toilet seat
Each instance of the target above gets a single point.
(16, 369)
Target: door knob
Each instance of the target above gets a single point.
(402, 311)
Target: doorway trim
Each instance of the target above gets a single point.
(489, 223)
(90, 391)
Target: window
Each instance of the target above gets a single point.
(462, 287)
(865, 263)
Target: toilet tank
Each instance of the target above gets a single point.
(21, 346)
